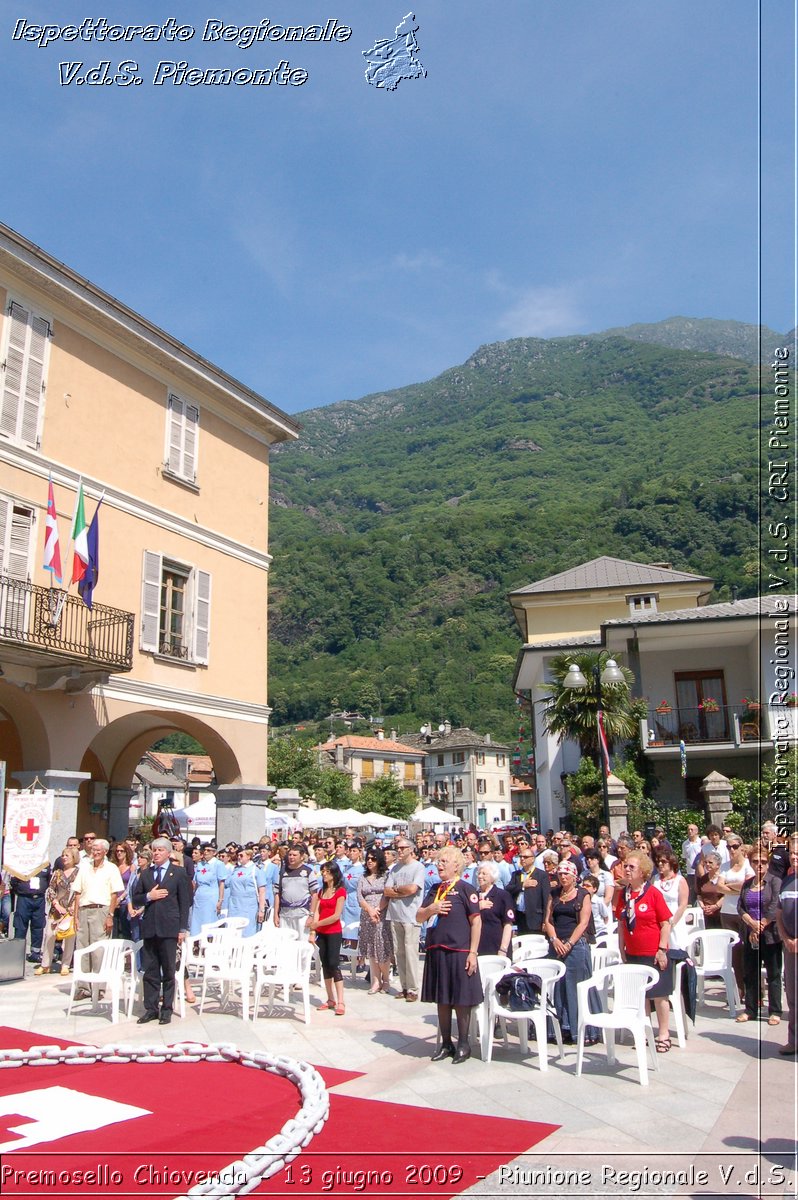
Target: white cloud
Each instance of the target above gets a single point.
(539, 311)
(423, 261)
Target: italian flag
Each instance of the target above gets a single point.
(80, 560)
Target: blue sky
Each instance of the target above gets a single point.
(566, 166)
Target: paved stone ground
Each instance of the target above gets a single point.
(725, 1105)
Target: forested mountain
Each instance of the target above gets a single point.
(399, 522)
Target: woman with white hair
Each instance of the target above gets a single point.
(496, 910)
(451, 973)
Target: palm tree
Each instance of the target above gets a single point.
(572, 712)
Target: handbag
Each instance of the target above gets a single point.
(518, 991)
(65, 928)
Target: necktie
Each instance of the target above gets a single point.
(157, 876)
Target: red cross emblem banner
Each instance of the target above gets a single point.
(28, 823)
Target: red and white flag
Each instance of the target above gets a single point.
(52, 546)
(605, 753)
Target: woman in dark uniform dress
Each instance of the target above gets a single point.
(451, 978)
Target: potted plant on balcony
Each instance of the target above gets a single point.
(751, 708)
(664, 708)
(709, 705)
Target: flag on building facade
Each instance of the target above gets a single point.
(52, 547)
(80, 557)
(92, 573)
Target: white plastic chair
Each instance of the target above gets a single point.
(117, 974)
(711, 952)
(350, 933)
(529, 945)
(227, 962)
(547, 972)
(603, 956)
(628, 985)
(284, 965)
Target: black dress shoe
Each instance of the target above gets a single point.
(165, 1018)
(146, 1017)
(444, 1051)
(461, 1054)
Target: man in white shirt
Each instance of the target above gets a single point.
(403, 894)
(97, 889)
(691, 848)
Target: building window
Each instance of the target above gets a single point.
(367, 769)
(182, 436)
(176, 609)
(480, 758)
(701, 706)
(24, 365)
(440, 760)
(410, 770)
(16, 526)
(642, 603)
(458, 757)
(481, 787)
(501, 787)
(499, 760)
(458, 786)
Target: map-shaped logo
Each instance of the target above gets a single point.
(390, 60)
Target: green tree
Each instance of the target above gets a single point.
(335, 790)
(179, 743)
(292, 765)
(572, 712)
(386, 796)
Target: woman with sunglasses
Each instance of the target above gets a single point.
(123, 858)
(375, 940)
(756, 907)
(735, 875)
(644, 926)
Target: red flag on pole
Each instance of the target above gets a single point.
(605, 754)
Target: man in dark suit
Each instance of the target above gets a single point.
(530, 890)
(164, 892)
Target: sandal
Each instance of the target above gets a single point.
(742, 1018)
(662, 1045)
(326, 1006)
(373, 991)
(339, 1010)
(774, 1020)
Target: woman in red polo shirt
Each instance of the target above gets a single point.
(644, 928)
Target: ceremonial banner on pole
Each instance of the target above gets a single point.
(29, 819)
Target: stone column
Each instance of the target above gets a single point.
(617, 792)
(65, 784)
(241, 813)
(717, 790)
(119, 811)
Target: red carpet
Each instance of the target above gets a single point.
(86, 1123)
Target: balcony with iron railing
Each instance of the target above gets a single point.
(734, 725)
(48, 627)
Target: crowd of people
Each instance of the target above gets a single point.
(438, 902)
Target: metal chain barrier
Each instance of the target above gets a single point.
(237, 1178)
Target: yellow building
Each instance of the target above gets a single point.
(176, 637)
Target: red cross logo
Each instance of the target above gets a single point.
(30, 830)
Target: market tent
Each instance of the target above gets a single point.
(375, 820)
(199, 818)
(433, 816)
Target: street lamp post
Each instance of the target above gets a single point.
(611, 676)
